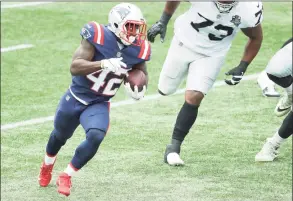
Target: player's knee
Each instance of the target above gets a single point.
(282, 81)
(95, 136)
(166, 92)
(193, 97)
(160, 92)
(61, 137)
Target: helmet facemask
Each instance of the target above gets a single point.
(133, 32)
(225, 6)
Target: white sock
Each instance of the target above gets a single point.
(49, 160)
(289, 90)
(277, 140)
(264, 81)
(70, 170)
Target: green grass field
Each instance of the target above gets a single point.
(232, 124)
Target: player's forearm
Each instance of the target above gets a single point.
(254, 43)
(252, 47)
(84, 67)
(170, 8)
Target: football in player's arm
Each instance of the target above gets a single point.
(82, 64)
(203, 34)
(99, 66)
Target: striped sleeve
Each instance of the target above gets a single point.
(145, 51)
(93, 32)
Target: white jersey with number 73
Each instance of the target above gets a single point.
(205, 30)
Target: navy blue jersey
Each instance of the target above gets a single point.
(102, 85)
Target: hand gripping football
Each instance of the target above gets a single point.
(138, 78)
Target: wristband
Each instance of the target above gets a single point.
(165, 18)
(243, 65)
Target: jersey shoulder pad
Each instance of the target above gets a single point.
(253, 14)
(93, 32)
(145, 51)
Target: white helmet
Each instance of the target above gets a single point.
(126, 21)
(225, 6)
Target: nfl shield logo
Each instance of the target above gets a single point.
(236, 20)
(118, 54)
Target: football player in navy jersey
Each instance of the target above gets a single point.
(98, 68)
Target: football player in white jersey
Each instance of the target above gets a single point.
(280, 67)
(268, 86)
(279, 70)
(202, 37)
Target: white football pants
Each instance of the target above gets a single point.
(201, 70)
(280, 64)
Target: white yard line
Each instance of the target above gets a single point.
(113, 105)
(16, 47)
(20, 5)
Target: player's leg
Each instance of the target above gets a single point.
(267, 86)
(269, 149)
(285, 102)
(279, 70)
(175, 67)
(202, 74)
(95, 121)
(65, 122)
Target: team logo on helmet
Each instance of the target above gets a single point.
(123, 12)
(236, 20)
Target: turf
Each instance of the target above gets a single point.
(219, 152)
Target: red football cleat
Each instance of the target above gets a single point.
(45, 174)
(64, 184)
